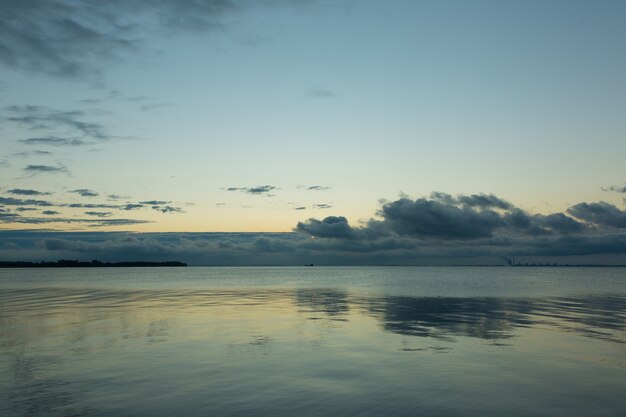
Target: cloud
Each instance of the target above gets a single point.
(615, 189)
(98, 213)
(89, 222)
(73, 39)
(330, 227)
(26, 209)
(21, 191)
(440, 229)
(85, 192)
(50, 212)
(470, 225)
(131, 206)
(153, 106)
(36, 152)
(117, 197)
(154, 202)
(42, 118)
(322, 206)
(601, 214)
(300, 208)
(94, 206)
(168, 209)
(320, 93)
(45, 169)
(259, 189)
(10, 201)
(484, 201)
(317, 188)
(431, 218)
(55, 141)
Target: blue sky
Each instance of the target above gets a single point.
(253, 116)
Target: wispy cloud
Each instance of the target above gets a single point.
(85, 192)
(43, 118)
(55, 141)
(93, 206)
(318, 92)
(35, 152)
(259, 189)
(117, 197)
(154, 202)
(615, 188)
(98, 213)
(45, 169)
(14, 218)
(317, 188)
(72, 39)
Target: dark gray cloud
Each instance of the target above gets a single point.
(154, 202)
(431, 218)
(259, 189)
(300, 208)
(85, 192)
(45, 169)
(322, 206)
(10, 201)
(446, 218)
(440, 229)
(484, 201)
(22, 191)
(560, 223)
(26, 209)
(601, 214)
(168, 209)
(69, 38)
(50, 212)
(131, 206)
(330, 227)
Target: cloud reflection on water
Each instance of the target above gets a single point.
(232, 332)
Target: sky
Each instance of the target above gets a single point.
(287, 131)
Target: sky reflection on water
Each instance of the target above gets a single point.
(307, 351)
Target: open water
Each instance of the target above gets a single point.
(386, 341)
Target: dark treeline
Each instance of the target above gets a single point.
(65, 263)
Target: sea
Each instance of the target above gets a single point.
(313, 341)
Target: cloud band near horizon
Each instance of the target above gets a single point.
(459, 229)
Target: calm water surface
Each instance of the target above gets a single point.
(313, 342)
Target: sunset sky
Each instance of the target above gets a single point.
(340, 122)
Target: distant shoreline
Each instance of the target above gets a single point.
(130, 264)
(63, 263)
